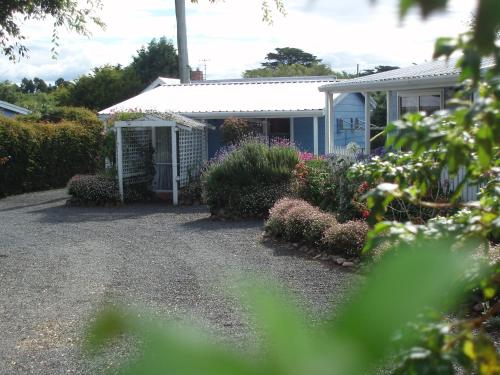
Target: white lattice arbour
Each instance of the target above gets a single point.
(136, 139)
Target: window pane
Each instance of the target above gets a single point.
(430, 103)
(408, 104)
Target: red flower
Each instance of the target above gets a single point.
(363, 187)
(365, 214)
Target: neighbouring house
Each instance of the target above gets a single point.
(291, 108)
(419, 88)
(10, 110)
(425, 87)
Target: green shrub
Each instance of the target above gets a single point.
(296, 220)
(79, 115)
(94, 189)
(346, 239)
(42, 156)
(326, 183)
(247, 180)
(234, 130)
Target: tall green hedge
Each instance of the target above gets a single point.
(37, 156)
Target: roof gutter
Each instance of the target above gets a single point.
(255, 114)
(396, 84)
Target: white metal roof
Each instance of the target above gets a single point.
(162, 81)
(238, 98)
(437, 73)
(14, 108)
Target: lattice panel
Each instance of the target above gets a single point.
(192, 151)
(135, 150)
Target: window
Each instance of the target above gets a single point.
(413, 102)
(279, 128)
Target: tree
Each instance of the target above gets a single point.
(70, 14)
(103, 87)
(40, 85)
(294, 70)
(61, 82)
(9, 92)
(378, 69)
(292, 62)
(27, 86)
(159, 58)
(289, 56)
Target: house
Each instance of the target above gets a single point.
(290, 108)
(10, 110)
(182, 121)
(425, 87)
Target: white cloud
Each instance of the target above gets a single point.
(233, 38)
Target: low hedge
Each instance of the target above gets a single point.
(347, 238)
(93, 189)
(37, 156)
(295, 220)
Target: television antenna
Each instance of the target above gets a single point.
(204, 63)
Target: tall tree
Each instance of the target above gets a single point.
(159, 58)
(27, 86)
(289, 56)
(292, 62)
(103, 87)
(295, 70)
(73, 15)
(40, 85)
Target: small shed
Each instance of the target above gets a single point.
(175, 145)
(9, 109)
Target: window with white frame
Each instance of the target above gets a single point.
(428, 102)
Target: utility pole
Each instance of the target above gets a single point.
(180, 14)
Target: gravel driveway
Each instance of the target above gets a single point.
(59, 264)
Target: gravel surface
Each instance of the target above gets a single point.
(58, 265)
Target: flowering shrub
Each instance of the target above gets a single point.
(297, 221)
(96, 189)
(246, 180)
(346, 239)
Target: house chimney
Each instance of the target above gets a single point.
(196, 75)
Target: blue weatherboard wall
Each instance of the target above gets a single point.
(351, 106)
(303, 133)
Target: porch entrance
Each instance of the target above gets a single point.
(162, 159)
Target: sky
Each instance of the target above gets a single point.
(232, 37)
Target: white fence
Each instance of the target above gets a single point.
(469, 191)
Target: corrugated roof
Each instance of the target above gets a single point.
(14, 108)
(239, 97)
(432, 74)
(162, 81)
